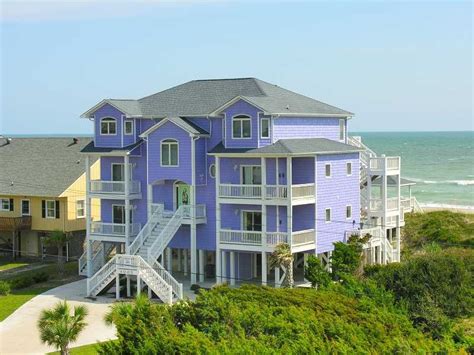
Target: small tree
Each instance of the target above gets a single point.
(282, 257)
(315, 273)
(347, 257)
(59, 240)
(59, 328)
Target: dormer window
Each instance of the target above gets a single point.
(128, 127)
(241, 127)
(265, 127)
(169, 152)
(108, 126)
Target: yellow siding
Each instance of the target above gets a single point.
(67, 221)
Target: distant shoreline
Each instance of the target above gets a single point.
(446, 207)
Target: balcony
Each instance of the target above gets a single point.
(389, 164)
(257, 241)
(114, 231)
(115, 189)
(201, 216)
(301, 193)
(12, 224)
(376, 204)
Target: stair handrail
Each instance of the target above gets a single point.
(162, 289)
(146, 230)
(165, 275)
(102, 274)
(156, 249)
(416, 205)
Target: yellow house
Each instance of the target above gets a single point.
(42, 189)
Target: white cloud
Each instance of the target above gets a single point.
(40, 10)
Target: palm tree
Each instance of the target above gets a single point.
(58, 239)
(282, 257)
(58, 327)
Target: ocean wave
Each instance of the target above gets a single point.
(446, 205)
(452, 182)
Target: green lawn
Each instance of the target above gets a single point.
(6, 265)
(18, 297)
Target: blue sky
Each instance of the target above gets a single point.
(399, 66)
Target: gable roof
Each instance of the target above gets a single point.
(204, 97)
(292, 147)
(181, 122)
(40, 166)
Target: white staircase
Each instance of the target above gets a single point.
(147, 247)
(98, 257)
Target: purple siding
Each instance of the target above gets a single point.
(217, 135)
(155, 171)
(200, 161)
(303, 217)
(292, 127)
(303, 170)
(241, 107)
(336, 192)
(230, 168)
(108, 140)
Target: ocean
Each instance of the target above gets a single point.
(441, 163)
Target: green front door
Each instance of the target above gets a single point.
(182, 195)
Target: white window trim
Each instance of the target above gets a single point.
(161, 151)
(330, 170)
(83, 208)
(343, 121)
(261, 125)
(242, 212)
(1, 205)
(210, 170)
(108, 134)
(246, 118)
(248, 166)
(330, 215)
(347, 164)
(125, 127)
(46, 209)
(350, 217)
(29, 207)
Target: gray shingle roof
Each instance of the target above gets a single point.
(40, 166)
(293, 146)
(203, 97)
(91, 148)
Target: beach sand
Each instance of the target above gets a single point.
(461, 209)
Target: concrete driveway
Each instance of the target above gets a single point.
(19, 333)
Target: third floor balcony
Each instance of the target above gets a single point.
(115, 189)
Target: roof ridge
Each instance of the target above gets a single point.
(224, 79)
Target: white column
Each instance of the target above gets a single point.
(129, 290)
(169, 259)
(193, 212)
(202, 261)
(117, 286)
(254, 265)
(264, 268)
(139, 285)
(126, 170)
(224, 266)
(149, 199)
(232, 268)
(88, 217)
(289, 212)
(277, 276)
(305, 263)
(397, 233)
(263, 169)
(218, 223)
(185, 266)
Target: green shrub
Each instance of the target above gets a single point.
(40, 277)
(315, 273)
(4, 288)
(22, 282)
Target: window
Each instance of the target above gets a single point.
(128, 127)
(80, 209)
(252, 221)
(212, 171)
(349, 169)
(50, 209)
(108, 126)
(348, 212)
(251, 175)
(265, 128)
(169, 152)
(342, 129)
(5, 204)
(328, 215)
(25, 207)
(328, 170)
(241, 127)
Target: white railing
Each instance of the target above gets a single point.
(303, 237)
(241, 191)
(188, 211)
(276, 191)
(169, 279)
(377, 163)
(114, 229)
(161, 288)
(274, 238)
(405, 203)
(147, 229)
(302, 191)
(402, 215)
(392, 204)
(416, 206)
(167, 233)
(376, 204)
(240, 237)
(393, 163)
(100, 277)
(114, 187)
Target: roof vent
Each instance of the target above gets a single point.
(287, 107)
(75, 140)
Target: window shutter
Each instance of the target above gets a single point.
(43, 208)
(57, 209)
(11, 205)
